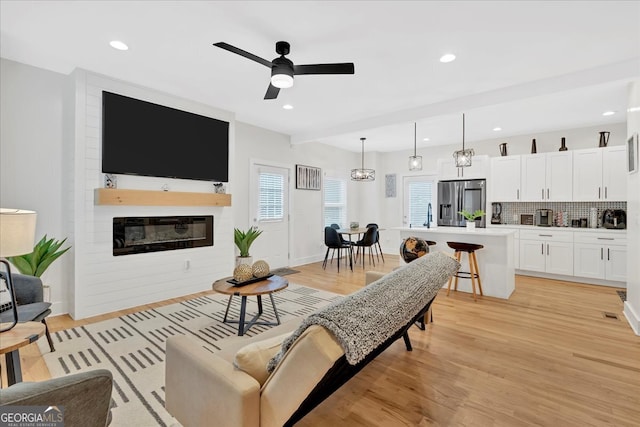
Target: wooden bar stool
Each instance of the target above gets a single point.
(473, 272)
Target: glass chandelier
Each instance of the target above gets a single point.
(363, 174)
(415, 161)
(463, 157)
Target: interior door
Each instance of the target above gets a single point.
(270, 213)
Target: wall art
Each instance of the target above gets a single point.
(308, 178)
(390, 185)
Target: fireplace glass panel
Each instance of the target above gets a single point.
(133, 235)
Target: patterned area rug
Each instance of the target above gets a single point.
(133, 347)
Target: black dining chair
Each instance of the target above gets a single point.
(367, 241)
(377, 246)
(342, 239)
(332, 241)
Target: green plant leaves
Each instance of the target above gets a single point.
(244, 239)
(44, 253)
(472, 216)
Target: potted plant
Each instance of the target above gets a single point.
(36, 263)
(471, 217)
(243, 240)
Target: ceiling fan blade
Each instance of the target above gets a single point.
(272, 92)
(238, 51)
(340, 68)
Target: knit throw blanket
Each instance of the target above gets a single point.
(367, 318)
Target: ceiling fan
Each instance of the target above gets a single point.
(283, 70)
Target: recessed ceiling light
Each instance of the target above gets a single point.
(117, 44)
(608, 113)
(287, 107)
(426, 139)
(497, 129)
(447, 57)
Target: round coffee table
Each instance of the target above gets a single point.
(264, 287)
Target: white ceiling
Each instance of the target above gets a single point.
(523, 66)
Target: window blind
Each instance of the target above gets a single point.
(271, 197)
(335, 202)
(420, 195)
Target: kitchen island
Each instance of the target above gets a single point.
(495, 260)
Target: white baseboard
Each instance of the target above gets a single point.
(306, 260)
(632, 317)
(585, 280)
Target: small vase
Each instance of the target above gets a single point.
(471, 225)
(534, 149)
(604, 138)
(563, 145)
(503, 149)
(244, 260)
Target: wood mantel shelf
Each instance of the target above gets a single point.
(121, 197)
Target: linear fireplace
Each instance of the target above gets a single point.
(132, 235)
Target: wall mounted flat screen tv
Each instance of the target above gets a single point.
(142, 138)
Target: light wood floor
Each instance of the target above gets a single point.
(547, 356)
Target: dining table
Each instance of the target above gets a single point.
(356, 231)
(352, 231)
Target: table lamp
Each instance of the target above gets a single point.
(17, 234)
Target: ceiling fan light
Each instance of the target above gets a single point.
(282, 81)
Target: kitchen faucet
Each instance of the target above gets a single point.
(428, 223)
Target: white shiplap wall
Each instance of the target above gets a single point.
(103, 283)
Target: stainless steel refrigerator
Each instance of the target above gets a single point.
(458, 195)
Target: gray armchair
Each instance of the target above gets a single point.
(86, 397)
(30, 301)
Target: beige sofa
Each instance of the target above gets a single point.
(233, 388)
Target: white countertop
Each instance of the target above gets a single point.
(538, 228)
(459, 230)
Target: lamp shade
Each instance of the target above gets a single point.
(17, 232)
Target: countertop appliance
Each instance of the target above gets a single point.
(544, 217)
(614, 218)
(457, 195)
(496, 212)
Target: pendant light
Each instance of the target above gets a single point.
(463, 157)
(415, 161)
(363, 174)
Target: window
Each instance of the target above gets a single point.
(418, 193)
(271, 196)
(335, 201)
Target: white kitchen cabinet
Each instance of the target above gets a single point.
(559, 176)
(614, 173)
(478, 170)
(599, 174)
(601, 256)
(547, 177)
(533, 177)
(505, 179)
(547, 251)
